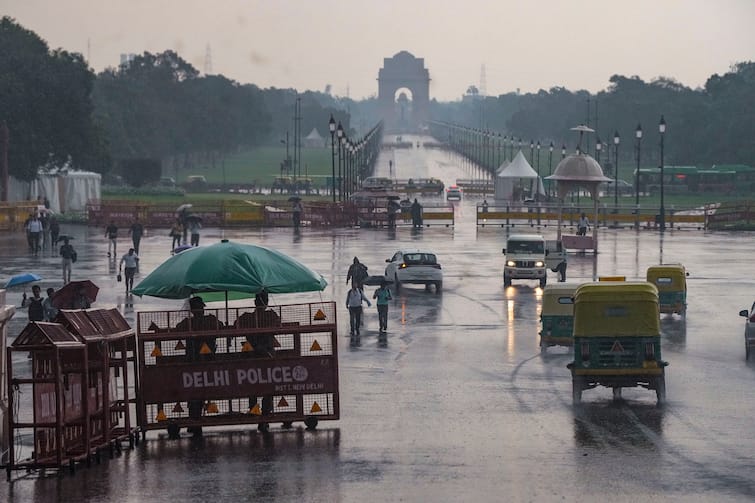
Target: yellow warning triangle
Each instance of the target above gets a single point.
(315, 346)
(180, 346)
(205, 349)
(617, 347)
(212, 408)
(246, 347)
(161, 416)
(283, 402)
(276, 344)
(315, 408)
(319, 315)
(255, 410)
(177, 408)
(156, 352)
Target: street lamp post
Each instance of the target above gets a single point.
(662, 131)
(332, 128)
(638, 135)
(563, 151)
(339, 135)
(616, 141)
(538, 158)
(532, 152)
(550, 165)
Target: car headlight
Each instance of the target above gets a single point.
(510, 263)
(539, 264)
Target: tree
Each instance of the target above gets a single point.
(45, 100)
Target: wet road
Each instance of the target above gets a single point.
(459, 405)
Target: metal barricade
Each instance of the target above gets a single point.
(237, 366)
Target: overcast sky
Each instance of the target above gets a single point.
(308, 44)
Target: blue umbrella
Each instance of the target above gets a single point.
(22, 279)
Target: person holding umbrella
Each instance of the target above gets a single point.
(69, 257)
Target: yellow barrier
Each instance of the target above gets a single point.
(13, 215)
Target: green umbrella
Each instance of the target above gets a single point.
(239, 270)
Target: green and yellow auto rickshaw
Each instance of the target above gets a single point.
(557, 316)
(617, 340)
(671, 282)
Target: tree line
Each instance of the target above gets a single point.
(159, 107)
(711, 125)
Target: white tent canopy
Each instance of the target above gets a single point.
(314, 139)
(517, 172)
(66, 191)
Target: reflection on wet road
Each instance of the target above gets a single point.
(457, 403)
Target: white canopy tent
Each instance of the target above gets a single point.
(66, 190)
(516, 172)
(314, 139)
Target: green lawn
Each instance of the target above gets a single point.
(260, 166)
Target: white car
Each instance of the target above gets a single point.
(749, 329)
(418, 267)
(453, 193)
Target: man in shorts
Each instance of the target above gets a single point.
(131, 261)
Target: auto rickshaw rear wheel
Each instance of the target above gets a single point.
(660, 389)
(617, 393)
(576, 390)
(173, 431)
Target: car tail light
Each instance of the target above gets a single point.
(649, 351)
(402, 266)
(585, 351)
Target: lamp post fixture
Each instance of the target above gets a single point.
(538, 158)
(511, 148)
(563, 151)
(550, 164)
(598, 148)
(498, 152)
(532, 152)
(616, 141)
(662, 131)
(520, 144)
(638, 135)
(339, 135)
(332, 128)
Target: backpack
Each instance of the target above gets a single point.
(36, 310)
(74, 257)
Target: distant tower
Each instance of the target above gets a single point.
(483, 82)
(208, 60)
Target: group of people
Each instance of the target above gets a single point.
(42, 231)
(43, 309)
(185, 226)
(355, 297)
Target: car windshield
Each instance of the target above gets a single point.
(525, 247)
(420, 258)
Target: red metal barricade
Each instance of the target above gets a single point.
(237, 366)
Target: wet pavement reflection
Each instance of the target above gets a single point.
(456, 402)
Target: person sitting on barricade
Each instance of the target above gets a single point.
(198, 348)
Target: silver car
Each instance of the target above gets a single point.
(414, 267)
(749, 329)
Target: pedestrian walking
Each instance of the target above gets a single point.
(68, 255)
(194, 226)
(383, 295)
(50, 311)
(183, 218)
(583, 225)
(34, 304)
(354, 299)
(35, 232)
(54, 232)
(357, 273)
(44, 219)
(111, 233)
(136, 231)
(296, 213)
(416, 212)
(176, 231)
(393, 208)
(131, 261)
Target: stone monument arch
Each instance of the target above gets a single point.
(403, 93)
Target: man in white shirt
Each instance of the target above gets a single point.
(354, 300)
(131, 260)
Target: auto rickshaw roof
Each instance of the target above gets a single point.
(616, 309)
(676, 274)
(561, 289)
(666, 269)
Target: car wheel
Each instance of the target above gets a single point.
(438, 286)
(506, 280)
(747, 350)
(398, 283)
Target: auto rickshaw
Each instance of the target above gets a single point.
(617, 340)
(557, 316)
(671, 281)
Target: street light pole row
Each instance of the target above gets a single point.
(355, 157)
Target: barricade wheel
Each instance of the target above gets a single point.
(576, 390)
(617, 393)
(173, 431)
(660, 389)
(311, 423)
